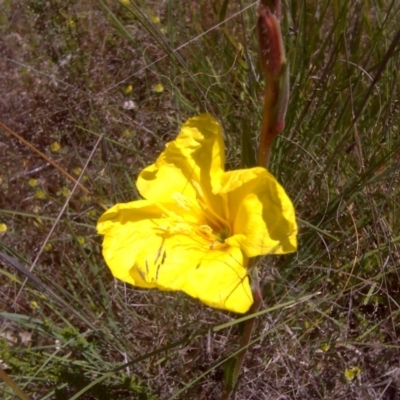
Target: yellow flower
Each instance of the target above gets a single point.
(40, 194)
(3, 228)
(351, 373)
(33, 182)
(55, 147)
(198, 225)
(128, 89)
(64, 192)
(158, 88)
(325, 346)
(92, 213)
(84, 198)
(34, 305)
(48, 247)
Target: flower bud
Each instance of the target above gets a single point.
(276, 73)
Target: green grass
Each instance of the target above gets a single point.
(71, 331)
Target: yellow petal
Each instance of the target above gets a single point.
(127, 228)
(146, 247)
(130, 229)
(217, 277)
(262, 214)
(187, 164)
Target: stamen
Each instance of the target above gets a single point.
(210, 215)
(182, 201)
(188, 205)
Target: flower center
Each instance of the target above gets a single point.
(216, 239)
(213, 227)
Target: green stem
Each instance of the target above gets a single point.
(230, 383)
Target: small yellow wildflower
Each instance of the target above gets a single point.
(65, 192)
(127, 133)
(48, 247)
(198, 225)
(158, 88)
(125, 2)
(155, 19)
(40, 194)
(84, 198)
(71, 22)
(325, 347)
(33, 182)
(33, 305)
(351, 373)
(55, 147)
(3, 228)
(81, 240)
(128, 89)
(77, 170)
(92, 213)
